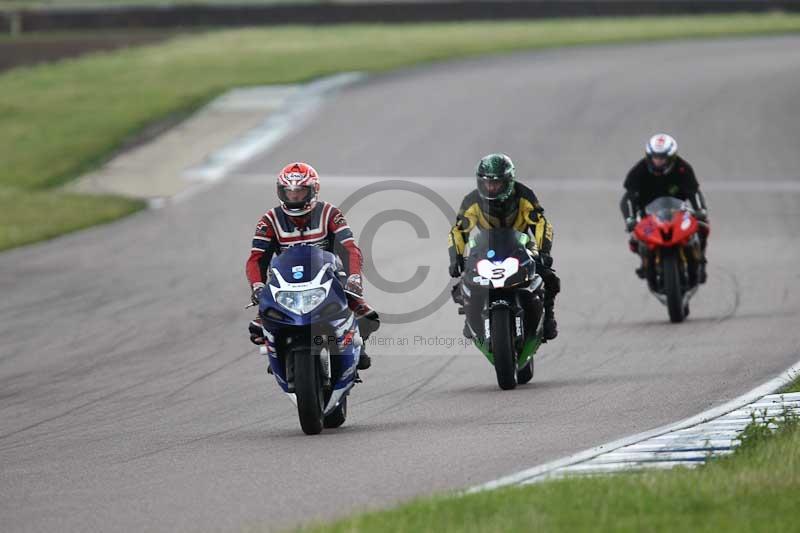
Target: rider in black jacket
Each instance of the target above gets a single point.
(662, 173)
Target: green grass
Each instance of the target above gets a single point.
(755, 489)
(29, 4)
(59, 120)
(44, 37)
(794, 386)
(29, 217)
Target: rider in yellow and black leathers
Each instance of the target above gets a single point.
(501, 201)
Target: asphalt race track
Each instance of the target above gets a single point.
(131, 399)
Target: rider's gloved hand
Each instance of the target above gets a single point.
(456, 266)
(354, 286)
(369, 324)
(630, 223)
(256, 292)
(532, 250)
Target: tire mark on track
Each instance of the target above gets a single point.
(192, 441)
(737, 297)
(436, 373)
(73, 409)
(145, 381)
(385, 394)
(207, 375)
(388, 393)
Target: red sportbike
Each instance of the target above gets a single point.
(669, 245)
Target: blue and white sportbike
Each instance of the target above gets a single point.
(312, 338)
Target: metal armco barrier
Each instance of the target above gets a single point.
(55, 19)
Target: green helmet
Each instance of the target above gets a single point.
(495, 175)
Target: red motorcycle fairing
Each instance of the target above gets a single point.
(655, 232)
(666, 238)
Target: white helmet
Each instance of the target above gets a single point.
(661, 151)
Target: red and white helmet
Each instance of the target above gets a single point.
(298, 188)
(660, 152)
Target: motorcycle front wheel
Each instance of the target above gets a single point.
(672, 285)
(308, 389)
(503, 348)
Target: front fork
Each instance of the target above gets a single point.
(517, 308)
(688, 255)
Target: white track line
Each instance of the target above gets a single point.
(296, 110)
(563, 184)
(694, 429)
(297, 104)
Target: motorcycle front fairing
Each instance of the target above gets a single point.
(669, 226)
(667, 222)
(304, 304)
(500, 271)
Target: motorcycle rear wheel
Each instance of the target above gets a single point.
(526, 374)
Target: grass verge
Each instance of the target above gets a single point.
(755, 489)
(794, 386)
(31, 216)
(9, 5)
(59, 120)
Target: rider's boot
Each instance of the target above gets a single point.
(467, 332)
(552, 286)
(633, 245)
(256, 332)
(458, 298)
(702, 276)
(364, 361)
(550, 324)
(257, 336)
(367, 325)
(456, 294)
(642, 270)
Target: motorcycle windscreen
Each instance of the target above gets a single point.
(497, 244)
(665, 207)
(302, 263)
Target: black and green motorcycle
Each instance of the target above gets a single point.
(498, 285)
